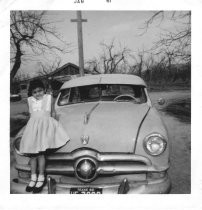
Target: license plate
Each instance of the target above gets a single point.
(87, 190)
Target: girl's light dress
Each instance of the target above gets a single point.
(42, 132)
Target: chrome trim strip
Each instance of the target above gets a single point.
(138, 131)
(101, 170)
(99, 156)
(87, 115)
(124, 169)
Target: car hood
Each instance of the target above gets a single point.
(106, 126)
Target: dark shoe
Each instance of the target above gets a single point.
(30, 189)
(39, 189)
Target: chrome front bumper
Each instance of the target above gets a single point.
(158, 186)
(107, 165)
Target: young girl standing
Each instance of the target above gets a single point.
(42, 132)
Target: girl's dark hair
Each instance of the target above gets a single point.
(36, 83)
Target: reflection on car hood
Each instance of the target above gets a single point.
(107, 126)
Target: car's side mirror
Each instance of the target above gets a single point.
(161, 101)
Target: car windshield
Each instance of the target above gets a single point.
(102, 92)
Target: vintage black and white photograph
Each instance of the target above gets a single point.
(100, 102)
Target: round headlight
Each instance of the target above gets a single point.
(155, 144)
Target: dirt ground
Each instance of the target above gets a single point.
(179, 133)
(179, 130)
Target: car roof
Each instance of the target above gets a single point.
(104, 79)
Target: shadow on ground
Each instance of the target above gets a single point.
(180, 109)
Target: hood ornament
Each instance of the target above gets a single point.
(86, 118)
(84, 139)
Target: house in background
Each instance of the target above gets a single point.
(52, 81)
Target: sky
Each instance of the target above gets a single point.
(124, 27)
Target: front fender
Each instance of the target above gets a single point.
(20, 158)
(153, 124)
(20, 133)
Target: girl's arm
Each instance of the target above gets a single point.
(53, 113)
(28, 108)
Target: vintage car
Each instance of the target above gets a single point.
(119, 143)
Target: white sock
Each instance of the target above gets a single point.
(33, 179)
(40, 180)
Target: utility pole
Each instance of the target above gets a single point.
(79, 21)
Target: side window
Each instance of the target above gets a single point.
(140, 94)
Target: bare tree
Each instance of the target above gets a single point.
(149, 63)
(21, 76)
(178, 41)
(31, 32)
(137, 68)
(48, 68)
(111, 58)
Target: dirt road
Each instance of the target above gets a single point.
(179, 130)
(179, 133)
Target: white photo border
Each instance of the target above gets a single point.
(189, 201)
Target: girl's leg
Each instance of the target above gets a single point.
(41, 163)
(33, 164)
(41, 177)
